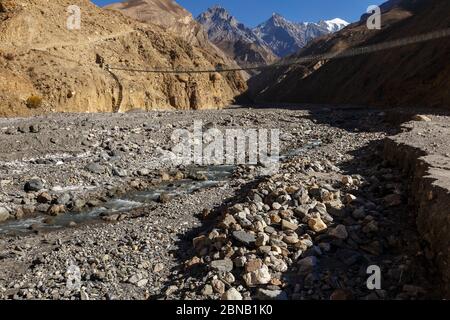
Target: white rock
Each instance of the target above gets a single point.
(142, 283)
(232, 294)
(276, 206)
(158, 267)
(260, 276)
(4, 214)
(264, 294)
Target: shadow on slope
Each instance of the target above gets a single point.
(341, 272)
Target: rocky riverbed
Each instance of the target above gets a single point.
(308, 231)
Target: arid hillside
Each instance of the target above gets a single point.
(412, 75)
(165, 13)
(46, 67)
(172, 17)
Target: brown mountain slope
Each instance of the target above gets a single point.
(56, 69)
(413, 75)
(175, 19)
(165, 13)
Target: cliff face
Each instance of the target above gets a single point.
(46, 67)
(413, 75)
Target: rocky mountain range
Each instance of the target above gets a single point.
(277, 37)
(234, 38)
(285, 37)
(402, 76)
(46, 67)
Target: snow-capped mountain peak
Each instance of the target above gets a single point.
(338, 21)
(277, 17)
(334, 24)
(279, 35)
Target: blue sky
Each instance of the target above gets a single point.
(253, 12)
